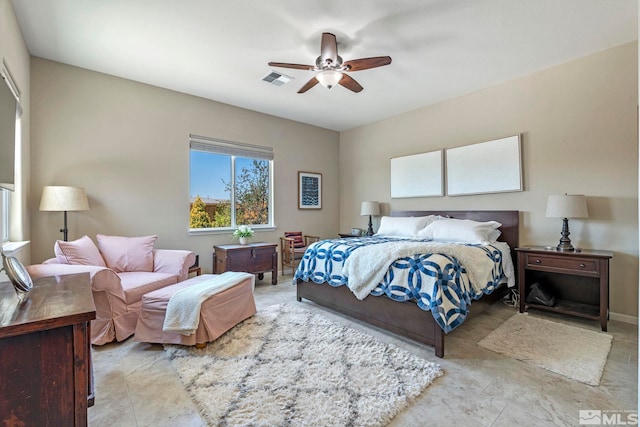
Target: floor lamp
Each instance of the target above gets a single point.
(62, 198)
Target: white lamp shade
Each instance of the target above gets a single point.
(329, 78)
(567, 206)
(62, 198)
(370, 208)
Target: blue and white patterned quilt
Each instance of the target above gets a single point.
(437, 276)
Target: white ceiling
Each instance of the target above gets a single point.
(219, 49)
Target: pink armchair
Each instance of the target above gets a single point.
(118, 294)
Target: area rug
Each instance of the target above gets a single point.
(289, 366)
(573, 352)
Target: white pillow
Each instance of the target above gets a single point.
(425, 233)
(404, 226)
(462, 231)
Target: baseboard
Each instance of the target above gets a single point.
(623, 318)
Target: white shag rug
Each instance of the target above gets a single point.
(574, 352)
(289, 366)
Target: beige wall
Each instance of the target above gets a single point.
(579, 135)
(14, 52)
(127, 143)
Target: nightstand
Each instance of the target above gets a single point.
(347, 235)
(256, 258)
(578, 280)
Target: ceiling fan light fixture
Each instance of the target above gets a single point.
(329, 68)
(329, 78)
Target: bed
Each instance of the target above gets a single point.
(407, 318)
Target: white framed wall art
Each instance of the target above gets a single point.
(487, 167)
(418, 175)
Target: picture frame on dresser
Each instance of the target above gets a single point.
(18, 275)
(309, 190)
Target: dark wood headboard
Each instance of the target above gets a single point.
(510, 221)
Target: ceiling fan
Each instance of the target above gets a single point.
(331, 70)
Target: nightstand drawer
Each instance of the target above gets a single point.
(562, 264)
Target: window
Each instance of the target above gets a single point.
(10, 144)
(230, 184)
(4, 214)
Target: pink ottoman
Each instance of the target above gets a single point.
(218, 313)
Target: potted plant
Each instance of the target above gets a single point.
(243, 234)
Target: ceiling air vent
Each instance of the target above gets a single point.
(276, 78)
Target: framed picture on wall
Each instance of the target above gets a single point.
(418, 175)
(309, 190)
(488, 167)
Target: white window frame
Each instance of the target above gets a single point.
(4, 214)
(233, 150)
(5, 198)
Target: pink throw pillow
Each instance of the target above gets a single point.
(78, 252)
(127, 253)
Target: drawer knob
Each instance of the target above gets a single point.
(582, 265)
(538, 261)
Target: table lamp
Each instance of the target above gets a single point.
(370, 208)
(566, 206)
(62, 198)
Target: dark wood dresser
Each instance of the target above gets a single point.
(256, 258)
(45, 353)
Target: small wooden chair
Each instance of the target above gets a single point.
(292, 247)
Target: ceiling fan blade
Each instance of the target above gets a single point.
(348, 82)
(308, 85)
(329, 48)
(294, 66)
(366, 63)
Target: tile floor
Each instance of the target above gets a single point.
(135, 385)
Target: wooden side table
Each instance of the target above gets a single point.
(45, 352)
(347, 235)
(256, 258)
(578, 280)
